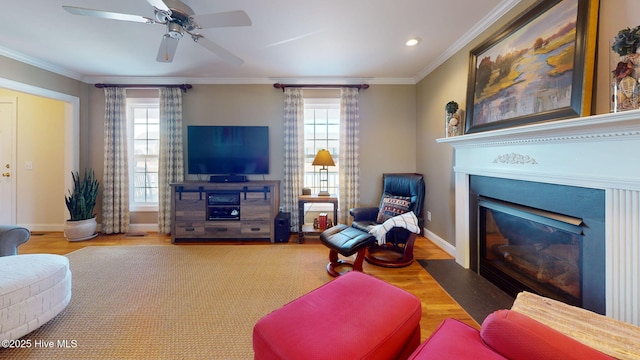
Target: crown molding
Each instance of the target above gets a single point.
(11, 54)
(29, 60)
(499, 11)
(246, 81)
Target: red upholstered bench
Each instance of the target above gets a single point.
(505, 334)
(454, 339)
(355, 316)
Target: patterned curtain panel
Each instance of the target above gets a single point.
(349, 166)
(293, 172)
(115, 184)
(171, 162)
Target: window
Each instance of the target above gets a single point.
(143, 121)
(321, 131)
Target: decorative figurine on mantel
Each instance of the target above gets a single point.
(625, 87)
(453, 123)
(625, 60)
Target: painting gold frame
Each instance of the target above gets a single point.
(539, 67)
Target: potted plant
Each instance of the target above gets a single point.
(80, 202)
(451, 107)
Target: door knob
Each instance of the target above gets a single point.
(6, 174)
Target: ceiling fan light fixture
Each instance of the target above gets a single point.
(175, 30)
(162, 16)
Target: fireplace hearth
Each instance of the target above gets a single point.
(543, 238)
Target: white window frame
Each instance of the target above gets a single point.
(331, 143)
(133, 103)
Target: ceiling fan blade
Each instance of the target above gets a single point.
(223, 19)
(107, 15)
(167, 49)
(159, 4)
(219, 50)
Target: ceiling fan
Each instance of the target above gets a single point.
(179, 19)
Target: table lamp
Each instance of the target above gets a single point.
(323, 158)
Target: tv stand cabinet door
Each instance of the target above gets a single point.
(190, 206)
(255, 206)
(256, 214)
(189, 214)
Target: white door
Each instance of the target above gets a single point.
(7, 160)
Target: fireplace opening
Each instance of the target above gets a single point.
(548, 239)
(528, 248)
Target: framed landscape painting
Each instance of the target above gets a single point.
(537, 68)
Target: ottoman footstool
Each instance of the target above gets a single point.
(34, 288)
(355, 316)
(346, 241)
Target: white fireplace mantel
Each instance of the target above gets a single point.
(599, 152)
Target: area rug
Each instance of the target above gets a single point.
(172, 302)
(475, 294)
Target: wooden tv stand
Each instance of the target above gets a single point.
(242, 210)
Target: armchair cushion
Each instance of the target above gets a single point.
(391, 206)
(365, 214)
(409, 185)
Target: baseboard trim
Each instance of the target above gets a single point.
(143, 228)
(440, 242)
(43, 227)
(60, 228)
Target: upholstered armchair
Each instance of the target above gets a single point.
(401, 193)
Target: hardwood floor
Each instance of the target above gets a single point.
(436, 303)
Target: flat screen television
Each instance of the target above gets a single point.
(228, 150)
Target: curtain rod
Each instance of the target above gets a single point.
(283, 86)
(184, 87)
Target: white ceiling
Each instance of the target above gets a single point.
(296, 40)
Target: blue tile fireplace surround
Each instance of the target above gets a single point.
(543, 238)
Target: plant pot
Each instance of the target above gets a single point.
(79, 230)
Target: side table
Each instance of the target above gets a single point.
(304, 199)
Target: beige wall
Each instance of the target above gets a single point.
(387, 123)
(387, 136)
(385, 109)
(449, 82)
(239, 105)
(49, 82)
(26, 74)
(40, 192)
(399, 123)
